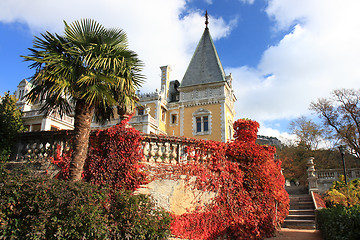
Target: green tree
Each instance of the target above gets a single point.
(341, 114)
(88, 71)
(11, 124)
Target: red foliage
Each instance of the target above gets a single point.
(319, 201)
(113, 158)
(250, 200)
(246, 130)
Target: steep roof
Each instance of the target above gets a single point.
(205, 66)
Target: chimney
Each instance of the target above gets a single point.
(165, 79)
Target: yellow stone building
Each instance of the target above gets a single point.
(201, 106)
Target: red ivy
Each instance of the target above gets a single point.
(320, 203)
(113, 160)
(250, 200)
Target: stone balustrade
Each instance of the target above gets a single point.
(321, 180)
(143, 119)
(35, 148)
(335, 173)
(37, 113)
(172, 150)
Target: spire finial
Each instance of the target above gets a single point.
(206, 19)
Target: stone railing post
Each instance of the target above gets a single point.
(152, 152)
(312, 178)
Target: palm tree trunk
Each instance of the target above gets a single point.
(83, 118)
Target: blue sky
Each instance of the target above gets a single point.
(282, 54)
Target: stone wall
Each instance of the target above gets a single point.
(34, 149)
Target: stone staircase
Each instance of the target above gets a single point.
(302, 210)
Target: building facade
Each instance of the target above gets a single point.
(200, 106)
(33, 119)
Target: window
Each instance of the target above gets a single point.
(173, 119)
(36, 127)
(202, 122)
(174, 116)
(205, 123)
(198, 124)
(163, 114)
(140, 111)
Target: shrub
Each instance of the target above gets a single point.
(42, 208)
(136, 217)
(342, 194)
(340, 223)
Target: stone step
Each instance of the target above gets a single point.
(301, 212)
(300, 198)
(301, 217)
(296, 189)
(299, 224)
(302, 203)
(302, 207)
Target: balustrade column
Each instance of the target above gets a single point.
(152, 152)
(167, 153)
(145, 150)
(313, 187)
(174, 154)
(159, 153)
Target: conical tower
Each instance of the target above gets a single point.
(206, 96)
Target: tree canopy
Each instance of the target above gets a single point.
(309, 133)
(341, 114)
(87, 72)
(11, 124)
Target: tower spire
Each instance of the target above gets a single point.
(206, 19)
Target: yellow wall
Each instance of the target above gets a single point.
(152, 109)
(173, 129)
(162, 125)
(229, 117)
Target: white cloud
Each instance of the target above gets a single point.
(154, 30)
(247, 1)
(320, 53)
(284, 137)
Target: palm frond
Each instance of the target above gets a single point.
(88, 62)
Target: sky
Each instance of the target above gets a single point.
(282, 54)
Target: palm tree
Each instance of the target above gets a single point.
(88, 72)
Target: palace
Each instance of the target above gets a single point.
(200, 106)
